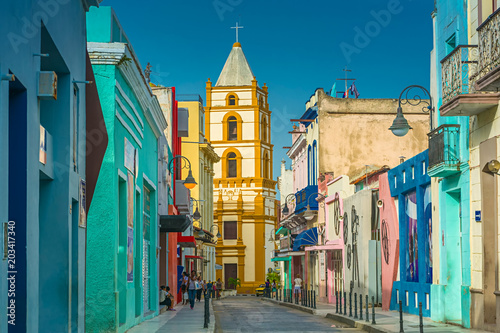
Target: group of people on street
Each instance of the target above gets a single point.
(192, 287)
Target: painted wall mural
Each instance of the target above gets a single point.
(412, 237)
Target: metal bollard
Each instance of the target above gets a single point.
(350, 304)
(401, 329)
(340, 301)
(360, 307)
(355, 306)
(336, 301)
(345, 303)
(420, 315)
(314, 304)
(367, 313)
(373, 310)
(205, 324)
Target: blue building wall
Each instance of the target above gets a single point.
(43, 200)
(409, 181)
(450, 296)
(122, 225)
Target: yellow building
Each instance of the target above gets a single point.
(238, 126)
(202, 156)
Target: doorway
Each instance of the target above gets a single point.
(230, 271)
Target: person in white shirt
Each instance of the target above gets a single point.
(298, 284)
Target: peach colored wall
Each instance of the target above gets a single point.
(354, 133)
(388, 214)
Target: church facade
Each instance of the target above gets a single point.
(238, 122)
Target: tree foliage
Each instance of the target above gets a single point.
(234, 282)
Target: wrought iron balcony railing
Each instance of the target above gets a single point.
(489, 45)
(458, 71)
(444, 151)
(302, 196)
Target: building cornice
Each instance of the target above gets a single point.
(120, 55)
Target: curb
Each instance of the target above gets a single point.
(341, 319)
(291, 305)
(356, 324)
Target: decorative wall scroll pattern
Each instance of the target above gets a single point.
(346, 228)
(336, 213)
(385, 241)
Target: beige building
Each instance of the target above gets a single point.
(202, 156)
(354, 133)
(238, 123)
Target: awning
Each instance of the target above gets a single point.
(307, 237)
(287, 258)
(194, 257)
(174, 223)
(217, 266)
(283, 231)
(186, 241)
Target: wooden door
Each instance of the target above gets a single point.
(230, 271)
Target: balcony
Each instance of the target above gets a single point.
(303, 196)
(444, 151)
(488, 74)
(458, 74)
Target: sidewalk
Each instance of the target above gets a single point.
(386, 321)
(183, 320)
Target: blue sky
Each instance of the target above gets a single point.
(293, 46)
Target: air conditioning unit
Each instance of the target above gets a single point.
(47, 85)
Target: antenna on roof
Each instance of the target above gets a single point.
(346, 92)
(147, 73)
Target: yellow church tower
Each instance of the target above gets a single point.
(237, 124)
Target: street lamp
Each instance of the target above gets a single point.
(218, 233)
(285, 210)
(271, 235)
(196, 214)
(400, 125)
(309, 214)
(189, 182)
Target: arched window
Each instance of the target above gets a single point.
(265, 172)
(232, 165)
(314, 163)
(263, 129)
(231, 100)
(309, 166)
(232, 128)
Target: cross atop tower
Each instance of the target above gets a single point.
(237, 27)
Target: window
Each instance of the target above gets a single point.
(230, 230)
(232, 165)
(266, 166)
(232, 128)
(231, 100)
(451, 43)
(263, 129)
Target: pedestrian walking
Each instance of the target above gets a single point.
(199, 288)
(274, 288)
(192, 288)
(219, 287)
(210, 289)
(268, 286)
(298, 284)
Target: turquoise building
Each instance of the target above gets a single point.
(449, 168)
(46, 108)
(122, 227)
